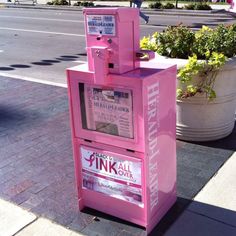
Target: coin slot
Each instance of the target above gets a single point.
(87, 140)
(130, 150)
(111, 65)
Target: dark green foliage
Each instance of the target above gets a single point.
(182, 42)
(156, 5)
(190, 6)
(222, 39)
(207, 51)
(84, 4)
(168, 6)
(198, 6)
(202, 6)
(58, 2)
(175, 42)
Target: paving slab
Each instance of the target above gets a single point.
(216, 213)
(217, 199)
(190, 223)
(44, 227)
(13, 218)
(221, 190)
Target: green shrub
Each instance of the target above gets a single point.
(190, 6)
(198, 6)
(206, 49)
(168, 6)
(77, 4)
(182, 42)
(58, 2)
(155, 5)
(84, 4)
(202, 6)
(222, 39)
(174, 42)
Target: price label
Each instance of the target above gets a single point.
(101, 25)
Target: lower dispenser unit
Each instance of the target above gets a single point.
(122, 183)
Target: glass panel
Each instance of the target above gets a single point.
(107, 110)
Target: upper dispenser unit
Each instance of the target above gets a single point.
(112, 41)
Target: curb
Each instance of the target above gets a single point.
(195, 13)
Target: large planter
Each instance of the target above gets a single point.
(199, 119)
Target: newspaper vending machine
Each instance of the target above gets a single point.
(123, 122)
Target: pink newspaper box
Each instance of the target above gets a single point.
(123, 125)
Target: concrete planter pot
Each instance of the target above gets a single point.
(199, 119)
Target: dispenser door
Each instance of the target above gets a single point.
(107, 110)
(113, 174)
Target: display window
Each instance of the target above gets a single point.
(107, 110)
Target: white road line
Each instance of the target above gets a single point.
(39, 18)
(152, 26)
(41, 32)
(64, 85)
(80, 61)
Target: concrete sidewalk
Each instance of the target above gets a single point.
(37, 187)
(213, 210)
(16, 221)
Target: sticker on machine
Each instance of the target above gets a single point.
(112, 175)
(101, 25)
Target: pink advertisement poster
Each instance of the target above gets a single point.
(109, 110)
(112, 175)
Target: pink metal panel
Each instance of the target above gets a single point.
(100, 61)
(160, 120)
(118, 208)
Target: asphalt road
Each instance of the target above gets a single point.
(41, 44)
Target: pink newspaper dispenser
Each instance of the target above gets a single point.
(123, 122)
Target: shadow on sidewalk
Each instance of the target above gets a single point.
(228, 143)
(199, 219)
(10, 117)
